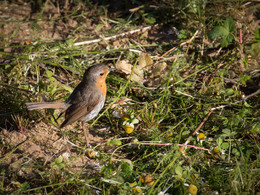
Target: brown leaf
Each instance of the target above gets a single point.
(145, 61)
(124, 67)
(138, 75)
(116, 43)
(159, 68)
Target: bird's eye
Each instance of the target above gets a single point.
(101, 74)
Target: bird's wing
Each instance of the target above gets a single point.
(81, 105)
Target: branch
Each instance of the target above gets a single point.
(114, 37)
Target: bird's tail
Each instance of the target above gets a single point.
(43, 105)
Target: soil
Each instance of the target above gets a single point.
(40, 142)
(43, 144)
(51, 25)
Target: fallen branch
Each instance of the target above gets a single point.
(114, 37)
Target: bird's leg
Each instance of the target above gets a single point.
(64, 137)
(61, 132)
(85, 133)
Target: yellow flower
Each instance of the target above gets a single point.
(129, 128)
(137, 189)
(201, 136)
(141, 178)
(193, 189)
(147, 180)
(216, 150)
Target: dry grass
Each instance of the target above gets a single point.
(172, 83)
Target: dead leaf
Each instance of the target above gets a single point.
(124, 67)
(159, 68)
(145, 61)
(116, 43)
(138, 75)
(137, 78)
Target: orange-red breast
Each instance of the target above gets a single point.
(86, 100)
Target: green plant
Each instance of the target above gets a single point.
(255, 47)
(191, 95)
(58, 163)
(225, 31)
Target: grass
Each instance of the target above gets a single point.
(194, 110)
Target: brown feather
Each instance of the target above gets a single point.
(82, 108)
(43, 105)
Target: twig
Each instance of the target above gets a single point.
(188, 41)
(198, 128)
(191, 146)
(210, 112)
(243, 99)
(241, 47)
(165, 59)
(157, 144)
(170, 144)
(184, 94)
(114, 37)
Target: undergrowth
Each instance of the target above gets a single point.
(186, 122)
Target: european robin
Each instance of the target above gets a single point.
(86, 100)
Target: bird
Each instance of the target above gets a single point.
(86, 100)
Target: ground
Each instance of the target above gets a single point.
(182, 108)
